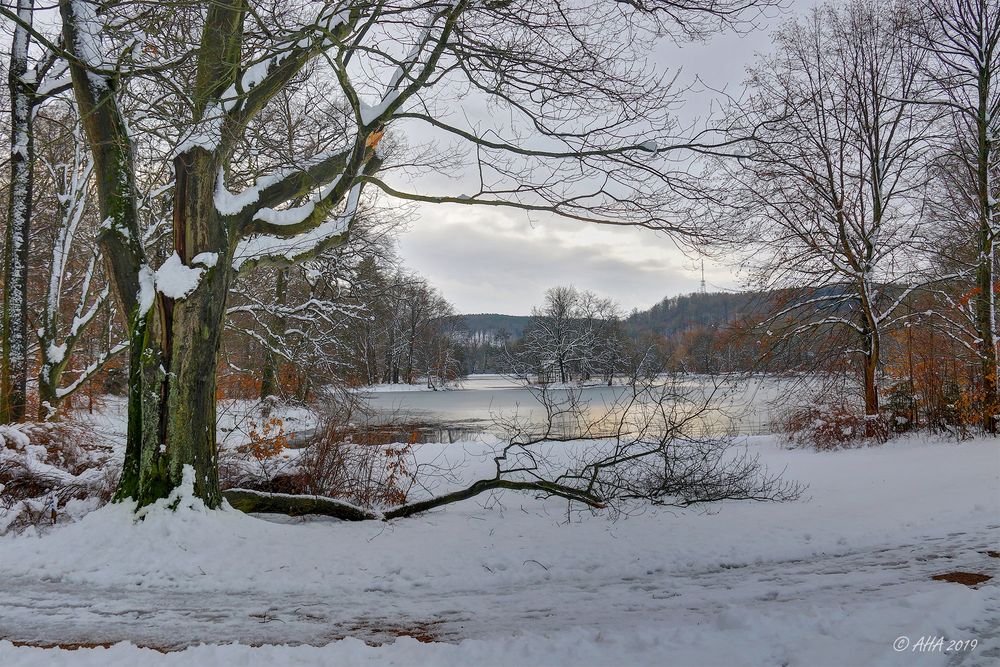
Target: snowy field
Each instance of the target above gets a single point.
(832, 579)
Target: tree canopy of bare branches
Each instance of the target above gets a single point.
(193, 192)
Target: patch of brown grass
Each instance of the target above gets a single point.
(966, 578)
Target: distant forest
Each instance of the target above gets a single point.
(672, 315)
(678, 314)
(686, 327)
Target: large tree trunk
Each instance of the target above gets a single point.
(179, 414)
(13, 322)
(174, 333)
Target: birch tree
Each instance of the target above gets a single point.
(71, 182)
(29, 81)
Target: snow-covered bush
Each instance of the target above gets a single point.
(356, 465)
(51, 471)
(832, 427)
(900, 406)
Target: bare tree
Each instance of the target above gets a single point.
(830, 182)
(962, 39)
(609, 348)
(594, 141)
(575, 335)
(557, 342)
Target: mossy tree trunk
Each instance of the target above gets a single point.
(182, 344)
(120, 238)
(176, 314)
(181, 341)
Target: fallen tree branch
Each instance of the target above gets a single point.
(483, 485)
(250, 501)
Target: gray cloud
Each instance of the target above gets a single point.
(485, 261)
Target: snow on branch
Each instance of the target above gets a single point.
(280, 186)
(321, 34)
(296, 215)
(88, 47)
(268, 248)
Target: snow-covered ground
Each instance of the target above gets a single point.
(235, 419)
(832, 579)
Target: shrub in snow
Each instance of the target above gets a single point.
(355, 465)
(267, 442)
(361, 464)
(901, 407)
(51, 470)
(833, 427)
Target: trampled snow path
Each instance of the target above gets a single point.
(831, 587)
(988, 633)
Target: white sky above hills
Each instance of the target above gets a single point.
(492, 260)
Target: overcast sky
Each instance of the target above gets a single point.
(489, 260)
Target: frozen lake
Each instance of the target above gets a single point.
(739, 406)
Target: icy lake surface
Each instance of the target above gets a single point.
(742, 406)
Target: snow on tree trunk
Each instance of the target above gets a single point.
(13, 328)
(182, 346)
